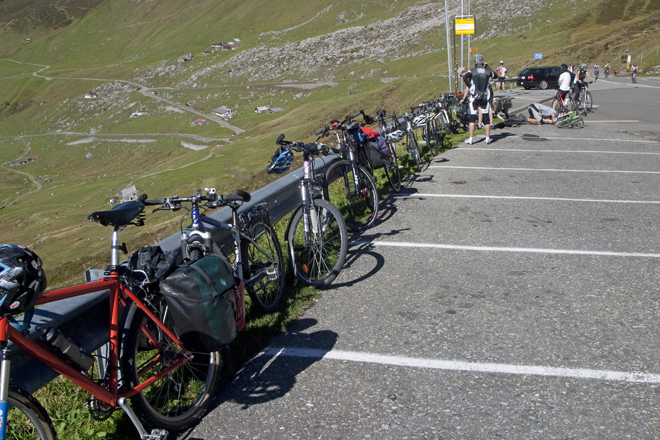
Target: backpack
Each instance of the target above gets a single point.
(155, 263)
(480, 80)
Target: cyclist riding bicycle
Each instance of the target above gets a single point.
(607, 69)
(634, 70)
(564, 84)
(596, 70)
(581, 75)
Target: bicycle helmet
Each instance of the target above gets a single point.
(281, 161)
(420, 121)
(564, 67)
(22, 279)
(395, 136)
(478, 58)
(583, 66)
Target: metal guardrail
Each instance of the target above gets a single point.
(85, 319)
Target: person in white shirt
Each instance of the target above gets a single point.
(501, 74)
(564, 84)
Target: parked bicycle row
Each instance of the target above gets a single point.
(173, 313)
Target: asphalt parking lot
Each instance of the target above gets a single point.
(510, 291)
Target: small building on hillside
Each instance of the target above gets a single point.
(31, 158)
(27, 40)
(18, 162)
(236, 40)
(263, 109)
(216, 45)
(184, 58)
(230, 46)
(207, 51)
(223, 112)
(130, 193)
(200, 122)
(90, 95)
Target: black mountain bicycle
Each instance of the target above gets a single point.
(349, 183)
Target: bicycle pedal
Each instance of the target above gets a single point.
(156, 434)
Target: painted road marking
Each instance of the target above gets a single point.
(451, 365)
(556, 151)
(607, 122)
(544, 199)
(404, 244)
(550, 170)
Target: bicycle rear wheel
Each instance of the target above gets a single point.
(263, 266)
(354, 193)
(392, 169)
(318, 262)
(178, 400)
(26, 418)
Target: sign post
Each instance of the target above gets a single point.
(463, 25)
(538, 56)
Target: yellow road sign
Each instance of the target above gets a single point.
(464, 26)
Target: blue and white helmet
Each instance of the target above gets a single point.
(395, 136)
(280, 162)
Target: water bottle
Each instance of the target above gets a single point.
(71, 351)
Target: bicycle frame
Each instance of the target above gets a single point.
(119, 295)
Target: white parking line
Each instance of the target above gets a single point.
(502, 249)
(600, 140)
(551, 170)
(548, 199)
(436, 364)
(558, 151)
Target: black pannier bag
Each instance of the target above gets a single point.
(374, 154)
(201, 301)
(155, 263)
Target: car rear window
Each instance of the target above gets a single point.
(525, 72)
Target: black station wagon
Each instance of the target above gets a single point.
(539, 77)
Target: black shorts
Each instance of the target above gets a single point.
(502, 79)
(562, 93)
(485, 118)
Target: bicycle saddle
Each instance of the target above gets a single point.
(121, 215)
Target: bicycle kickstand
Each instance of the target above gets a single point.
(156, 434)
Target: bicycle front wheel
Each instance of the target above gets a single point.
(317, 262)
(413, 149)
(353, 191)
(178, 400)
(26, 418)
(263, 266)
(392, 169)
(588, 102)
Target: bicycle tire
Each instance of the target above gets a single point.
(263, 259)
(357, 203)
(318, 263)
(431, 139)
(392, 170)
(413, 149)
(179, 400)
(26, 418)
(588, 101)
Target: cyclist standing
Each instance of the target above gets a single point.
(501, 73)
(564, 84)
(476, 81)
(634, 72)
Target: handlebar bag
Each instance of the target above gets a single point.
(201, 301)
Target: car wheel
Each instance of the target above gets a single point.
(527, 88)
(543, 85)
